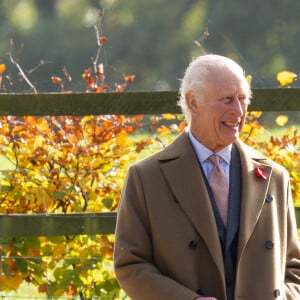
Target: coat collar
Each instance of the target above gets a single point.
(181, 169)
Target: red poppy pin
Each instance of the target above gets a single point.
(261, 172)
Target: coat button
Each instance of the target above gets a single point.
(193, 244)
(277, 293)
(269, 198)
(269, 245)
(200, 292)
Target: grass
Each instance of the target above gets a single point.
(5, 164)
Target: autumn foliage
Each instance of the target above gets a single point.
(65, 164)
(283, 149)
(71, 164)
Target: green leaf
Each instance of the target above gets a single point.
(107, 202)
(58, 195)
(21, 265)
(5, 269)
(7, 188)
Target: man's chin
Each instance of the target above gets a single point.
(230, 140)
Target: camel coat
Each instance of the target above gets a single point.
(167, 244)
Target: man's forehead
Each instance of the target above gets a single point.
(236, 90)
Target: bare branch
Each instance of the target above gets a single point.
(98, 28)
(22, 73)
(42, 62)
(199, 42)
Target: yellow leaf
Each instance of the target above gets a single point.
(11, 283)
(286, 77)
(42, 125)
(164, 130)
(281, 120)
(123, 139)
(249, 78)
(39, 141)
(255, 114)
(168, 117)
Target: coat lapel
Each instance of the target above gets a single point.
(234, 198)
(182, 172)
(253, 192)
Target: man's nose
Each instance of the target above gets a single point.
(237, 107)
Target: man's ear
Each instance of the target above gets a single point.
(191, 101)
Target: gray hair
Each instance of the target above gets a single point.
(197, 76)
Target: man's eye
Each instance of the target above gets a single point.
(230, 99)
(227, 99)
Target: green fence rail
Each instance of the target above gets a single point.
(129, 103)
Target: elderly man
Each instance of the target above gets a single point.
(208, 217)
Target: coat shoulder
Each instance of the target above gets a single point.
(174, 150)
(259, 157)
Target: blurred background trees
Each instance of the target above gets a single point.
(154, 39)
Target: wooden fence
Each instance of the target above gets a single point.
(129, 103)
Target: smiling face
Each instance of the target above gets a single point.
(218, 119)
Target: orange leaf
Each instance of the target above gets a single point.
(106, 252)
(89, 80)
(182, 126)
(98, 89)
(72, 290)
(43, 288)
(87, 75)
(136, 118)
(31, 120)
(56, 79)
(2, 68)
(59, 251)
(286, 77)
(129, 78)
(142, 145)
(130, 129)
(121, 119)
(121, 87)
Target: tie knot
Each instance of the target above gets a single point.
(214, 159)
